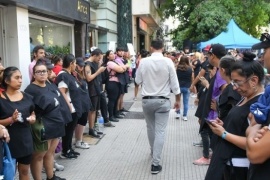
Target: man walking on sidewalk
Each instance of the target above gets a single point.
(158, 78)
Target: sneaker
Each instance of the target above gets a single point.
(194, 95)
(177, 115)
(135, 99)
(113, 119)
(98, 132)
(75, 152)
(82, 145)
(68, 155)
(119, 116)
(121, 113)
(185, 118)
(124, 110)
(56, 178)
(93, 133)
(109, 124)
(58, 167)
(202, 161)
(198, 144)
(155, 169)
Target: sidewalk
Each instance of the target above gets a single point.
(124, 153)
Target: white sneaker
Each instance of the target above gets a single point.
(135, 99)
(82, 145)
(178, 116)
(194, 95)
(58, 167)
(185, 118)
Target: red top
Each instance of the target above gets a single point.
(56, 69)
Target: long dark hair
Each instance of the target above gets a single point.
(7, 75)
(105, 58)
(183, 63)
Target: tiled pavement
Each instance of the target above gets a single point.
(124, 154)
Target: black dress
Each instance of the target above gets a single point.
(235, 123)
(47, 106)
(21, 142)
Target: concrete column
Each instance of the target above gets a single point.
(18, 43)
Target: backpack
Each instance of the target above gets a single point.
(105, 76)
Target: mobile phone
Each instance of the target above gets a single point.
(208, 121)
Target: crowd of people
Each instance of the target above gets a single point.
(66, 93)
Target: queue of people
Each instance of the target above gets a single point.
(64, 96)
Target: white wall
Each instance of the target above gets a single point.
(18, 45)
(140, 7)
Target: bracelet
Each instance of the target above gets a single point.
(223, 136)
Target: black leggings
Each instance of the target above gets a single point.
(104, 107)
(69, 128)
(113, 92)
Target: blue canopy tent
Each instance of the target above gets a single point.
(233, 38)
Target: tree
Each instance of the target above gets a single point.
(202, 20)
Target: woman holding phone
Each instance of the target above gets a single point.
(229, 160)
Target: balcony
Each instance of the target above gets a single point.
(146, 10)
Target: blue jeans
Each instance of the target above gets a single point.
(185, 92)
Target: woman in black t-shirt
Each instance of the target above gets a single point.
(229, 160)
(185, 77)
(47, 109)
(17, 113)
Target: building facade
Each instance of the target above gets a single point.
(51, 23)
(146, 23)
(103, 24)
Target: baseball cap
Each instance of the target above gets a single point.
(49, 64)
(265, 42)
(207, 48)
(93, 48)
(217, 49)
(80, 62)
(87, 55)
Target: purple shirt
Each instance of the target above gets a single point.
(119, 60)
(219, 82)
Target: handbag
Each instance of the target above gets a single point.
(9, 164)
(38, 130)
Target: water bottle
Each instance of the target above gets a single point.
(101, 124)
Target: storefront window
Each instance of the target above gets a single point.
(56, 38)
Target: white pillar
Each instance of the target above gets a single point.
(18, 41)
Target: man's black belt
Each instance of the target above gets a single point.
(155, 97)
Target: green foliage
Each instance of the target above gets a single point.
(57, 50)
(202, 20)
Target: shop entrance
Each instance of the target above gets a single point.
(142, 41)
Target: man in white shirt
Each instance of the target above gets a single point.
(158, 78)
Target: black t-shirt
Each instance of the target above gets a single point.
(235, 123)
(74, 90)
(63, 103)
(94, 86)
(184, 77)
(227, 100)
(204, 66)
(197, 68)
(21, 141)
(47, 107)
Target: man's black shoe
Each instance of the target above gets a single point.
(156, 169)
(74, 152)
(112, 119)
(93, 133)
(119, 116)
(124, 110)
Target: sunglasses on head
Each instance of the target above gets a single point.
(265, 37)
